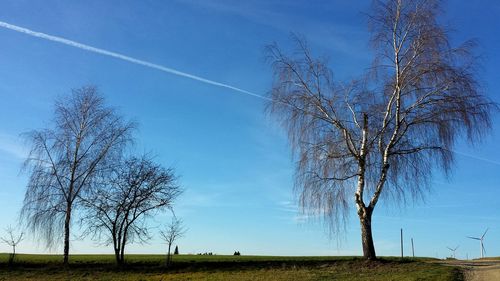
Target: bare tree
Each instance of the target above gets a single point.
(172, 232)
(12, 240)
(64, 160)
(384, 134)
(134, 190)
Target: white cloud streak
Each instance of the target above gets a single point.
(477, 157)
(156, 66)
(124, 58)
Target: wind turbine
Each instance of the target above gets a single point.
(483, 251)
(453, 250)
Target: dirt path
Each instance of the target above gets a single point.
(484, 270)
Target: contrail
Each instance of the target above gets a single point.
(156, 66)
(477, 157)
(125, 58)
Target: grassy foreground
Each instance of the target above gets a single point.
(193, 267)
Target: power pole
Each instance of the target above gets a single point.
(412, 248)
(401, 243)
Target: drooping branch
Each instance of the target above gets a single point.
(382, 137)
(64, 160)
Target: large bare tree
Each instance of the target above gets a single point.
(385, 134)
(118, 208)
(64, 160)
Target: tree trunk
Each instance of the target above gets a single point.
(116, 247)
(122, 250)
(67, 223)
(366, 235)
(117, 256)
(12, 256)
(122, 256)
(167, 262)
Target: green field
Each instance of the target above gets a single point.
(195, 267)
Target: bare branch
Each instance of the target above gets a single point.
(65, 159)
(387, 133)
(170, 234)
(117, 208)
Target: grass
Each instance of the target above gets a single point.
(194, 267)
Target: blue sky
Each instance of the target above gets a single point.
(234, 162)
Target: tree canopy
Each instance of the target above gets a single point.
(386, 133)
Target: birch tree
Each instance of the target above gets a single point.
(385, 134)
(86, 136)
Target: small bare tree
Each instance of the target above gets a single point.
(172, 232)
(118, 208)
(386, 133)
(12, 239)
(64, 160)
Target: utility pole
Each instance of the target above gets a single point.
(401, 243)
(412, 248)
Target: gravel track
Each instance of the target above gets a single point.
(483, 270)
